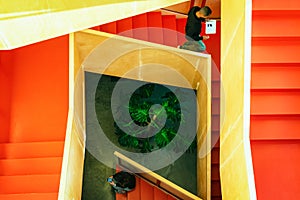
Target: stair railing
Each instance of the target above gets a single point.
(153, 178)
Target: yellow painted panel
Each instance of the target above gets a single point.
(73, 161)
(12, 9)
(31, 21)
(234, 169)
(237, 181)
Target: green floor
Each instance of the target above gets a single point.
(95, 186)
(182, 172)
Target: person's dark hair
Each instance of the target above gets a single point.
(125, 179)
(206, 11)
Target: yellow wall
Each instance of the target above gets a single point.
(236, 170)
(73, 158)
(31, 21)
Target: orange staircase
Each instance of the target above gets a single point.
(275, 98)
(169, 30)
(152, 27)
(34, 112)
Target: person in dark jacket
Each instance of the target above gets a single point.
(122, 182)
(196, 16)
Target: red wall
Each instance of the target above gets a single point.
(36, 93)
(6, 62)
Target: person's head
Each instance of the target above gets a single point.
(125, 179)
(205, 11)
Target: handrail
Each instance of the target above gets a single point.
(157, 180)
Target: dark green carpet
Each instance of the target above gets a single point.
(95, 187)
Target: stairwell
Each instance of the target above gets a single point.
(167, 29)
(275, 97)
(34, 112)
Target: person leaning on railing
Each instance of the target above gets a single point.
(122, 182)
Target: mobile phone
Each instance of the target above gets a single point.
(109, 180)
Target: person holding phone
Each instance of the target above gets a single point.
(122, 182)
(196, 16)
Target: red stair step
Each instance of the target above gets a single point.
(275, 102)
(171, 198)
(276, 50)
(147, 191)
(124, 27)
(29, 184)
(276, 164)
(215, 123)
(275, 127)
(215, 139)
(121, 196)
(29, 196)
(275, 75)
(136, 193)
(215, 156)
(180, 24)
(215, 173)
(31, 150)
(160, 195)
(155, 31)
(140, 30)
(215, 106)
(287, 23)
(169, 30)
(23, 166)
(275, 5)
(215, 188)
(96, 28)
(109, 28)
(215, 89)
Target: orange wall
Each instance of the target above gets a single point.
(39, 91)
(5, 93)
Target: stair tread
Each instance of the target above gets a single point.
(262, 23)
(276, 50)
(24, 166)
(264, 127)
(29, 196)
(275, 76)
(169, 32)
(31, 149)
(121, 197)
(124, 27)
(147, 190)
(139, 25)
(46, 183)
(283, 102)
(180, 24)
(110, 27)
(275, 5)
(160, 195)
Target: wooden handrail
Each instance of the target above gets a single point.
(156, 180)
